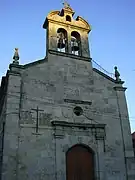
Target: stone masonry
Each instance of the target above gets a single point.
(56, 85)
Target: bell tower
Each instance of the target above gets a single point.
(66, 34)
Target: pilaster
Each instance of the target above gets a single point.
(11, 134)
(125, 131)
(124, 119)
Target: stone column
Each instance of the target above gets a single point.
(85, 45)
(100, 135)
(69, 40)
(52, 37)
(11, 135)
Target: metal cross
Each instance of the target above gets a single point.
(66, 4)
(37, 110)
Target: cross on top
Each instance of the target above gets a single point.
(66, 4)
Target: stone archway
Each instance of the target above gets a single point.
(80, 163)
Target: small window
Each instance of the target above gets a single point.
(78, 111)
(68, 18)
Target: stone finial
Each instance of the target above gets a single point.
(117, 74)
(16, 57)
(66, 4)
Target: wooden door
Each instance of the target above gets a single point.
(80, 163)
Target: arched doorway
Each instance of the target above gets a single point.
(80, 163)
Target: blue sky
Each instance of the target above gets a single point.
(112, 40)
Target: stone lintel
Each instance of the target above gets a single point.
(79, 125)
(77, 101)
(47, 21)
(98, 130)
(69, 55)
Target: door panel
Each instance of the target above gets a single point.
(80, 163)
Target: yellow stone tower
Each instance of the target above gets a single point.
(66, 34)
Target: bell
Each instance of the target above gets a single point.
(75, 46)
(61, 43)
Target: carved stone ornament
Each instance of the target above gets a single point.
(16, 57)
(117, 74)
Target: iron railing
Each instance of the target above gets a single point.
(97, 66)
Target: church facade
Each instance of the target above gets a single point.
(60, 118)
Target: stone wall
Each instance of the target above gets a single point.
(57, 85)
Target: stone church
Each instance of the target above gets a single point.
(61, 118)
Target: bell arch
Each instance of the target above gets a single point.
(62, 40)
(68, 18)
(75, 43)
(80, 162)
